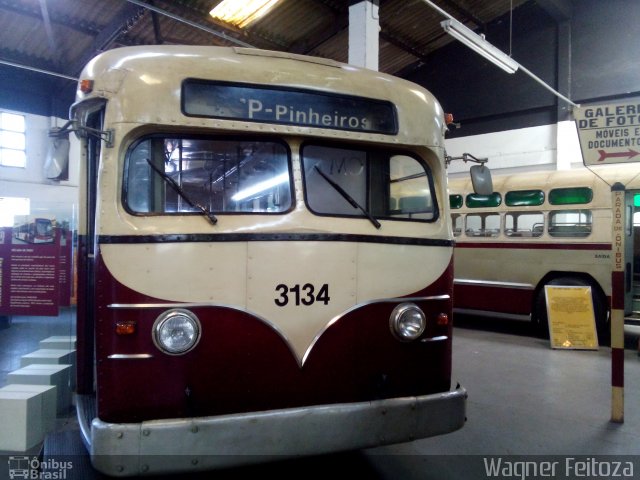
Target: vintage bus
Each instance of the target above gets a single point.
(537, 229)
(266, 261)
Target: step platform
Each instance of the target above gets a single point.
(44, 374)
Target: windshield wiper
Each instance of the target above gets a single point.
(348, 197)
(172, 183)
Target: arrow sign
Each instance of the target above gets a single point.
(609, 133)
(629, 154)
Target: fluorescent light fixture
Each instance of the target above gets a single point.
(479, 45)
(242, 12)
(261, 187)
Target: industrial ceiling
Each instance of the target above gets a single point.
(61, 36)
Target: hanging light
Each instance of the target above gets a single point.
(478, 44)
(241, 13)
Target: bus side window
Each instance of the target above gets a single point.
(523, 224)
(409, 184)
(457, 221)
(570, 223)
(483, 225)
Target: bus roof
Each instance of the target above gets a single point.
(150, 78)
(601, 177)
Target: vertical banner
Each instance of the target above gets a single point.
(617, 304)
(572, 323)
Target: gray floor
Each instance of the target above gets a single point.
(527, 403)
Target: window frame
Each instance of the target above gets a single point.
(519, 233)
(199, 136)
(558, 196)
(475, 200)
(6, 148)
(368, 149)
(570, 234)
(484, 232)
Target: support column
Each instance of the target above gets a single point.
(567, 135)
(617, 304)
(364, 33)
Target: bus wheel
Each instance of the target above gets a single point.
(599, 309)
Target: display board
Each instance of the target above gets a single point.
(572, 323)
(609, 133)
(35, 270)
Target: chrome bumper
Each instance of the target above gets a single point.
(204, 443)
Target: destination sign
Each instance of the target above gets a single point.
(609, 133)
(305, 108)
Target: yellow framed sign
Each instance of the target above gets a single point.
(572, 323)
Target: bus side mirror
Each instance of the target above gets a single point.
(481, 180)
(56, 166)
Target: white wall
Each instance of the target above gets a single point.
(548, 147)
(57, 198)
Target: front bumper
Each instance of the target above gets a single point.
(203, 443)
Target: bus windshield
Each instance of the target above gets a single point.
(356, 182)
(221, 175)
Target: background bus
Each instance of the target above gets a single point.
(537, 229)
(265, 259)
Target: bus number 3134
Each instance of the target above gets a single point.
(302, 294)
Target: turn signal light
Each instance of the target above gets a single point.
(125, 328)
(86, 86)
(443, 319)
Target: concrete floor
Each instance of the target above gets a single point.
(527, 403)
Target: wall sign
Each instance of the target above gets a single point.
(609, 133)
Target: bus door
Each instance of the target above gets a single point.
(89, 121)
(632, 253)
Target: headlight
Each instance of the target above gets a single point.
(407, 322)
(176, 331)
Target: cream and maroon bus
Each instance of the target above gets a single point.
(537, 229)
(266, 261)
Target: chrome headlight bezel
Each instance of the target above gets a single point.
(165, 320)
(403, 324)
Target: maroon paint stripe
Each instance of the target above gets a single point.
(617, 290)
(535, 246)
(493, 299)
(617, 367)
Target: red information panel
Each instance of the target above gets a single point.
(30, 274)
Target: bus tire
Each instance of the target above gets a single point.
(600, 309)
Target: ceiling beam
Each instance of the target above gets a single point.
(126, 18)
(560, 10)
(51, 39)
(453, 5)
(55, 18)
(28, 61)
(339, 24)
(397, 42)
